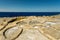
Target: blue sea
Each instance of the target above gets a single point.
(13, 14)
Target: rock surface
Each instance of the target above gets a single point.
(30, 28)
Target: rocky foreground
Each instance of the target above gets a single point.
(30, 28)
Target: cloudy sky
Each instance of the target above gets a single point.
(29, 5)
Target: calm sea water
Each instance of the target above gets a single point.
(13, 14)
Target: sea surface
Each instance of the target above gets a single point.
(14, 14)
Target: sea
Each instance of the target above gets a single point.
(14, 14)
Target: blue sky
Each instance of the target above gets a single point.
(29, 5)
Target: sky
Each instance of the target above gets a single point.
(29, 5)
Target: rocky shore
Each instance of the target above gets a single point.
(30, 28)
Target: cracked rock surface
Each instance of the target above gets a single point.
(30, 28)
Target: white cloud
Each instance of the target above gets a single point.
(4, 10)
(8, 10)
(31, 10)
